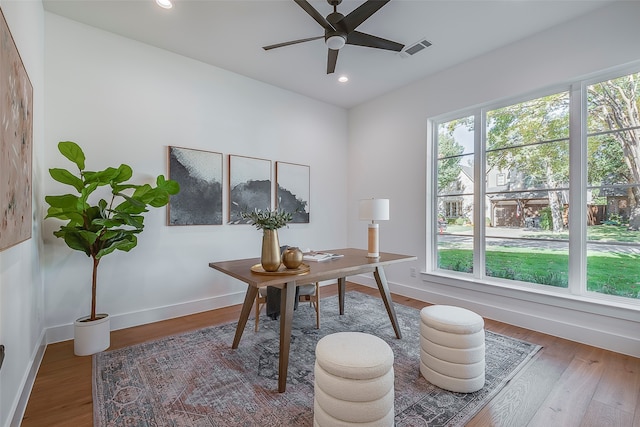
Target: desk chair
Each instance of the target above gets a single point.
(306, 293)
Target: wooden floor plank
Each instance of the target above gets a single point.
(620, 383)
(601, 415)
(516, 404)
(636, 418)
(569, 400)
(584, 384)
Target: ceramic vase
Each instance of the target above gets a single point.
(271, 257)
(91, 336)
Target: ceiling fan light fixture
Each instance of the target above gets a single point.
(336, 42)
(166, 4)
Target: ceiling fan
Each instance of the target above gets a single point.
(340, 30)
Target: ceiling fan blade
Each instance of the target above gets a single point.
(361, 39)
(360, 14)
(332, 59)
(273, 46)
(315, 14)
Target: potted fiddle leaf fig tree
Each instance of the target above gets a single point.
(100, 227)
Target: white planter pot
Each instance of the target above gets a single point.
(90, 337)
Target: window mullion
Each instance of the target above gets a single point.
(432, 191)
(479, 192)
(578, 193)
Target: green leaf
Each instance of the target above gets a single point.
(170, 186)
(103, 177)
(124, 173)
(135, 221)
(75, 240)
(86, 192)
(73, 217)
(155, 197)
(143, 193)
(130, 205)
(73, 152)
(91, 213)
(89, 236)
(102, 205)
(130, 241)
(119, 188)
(107, 223)
(65, 201)
(160, 200)
(66, 177)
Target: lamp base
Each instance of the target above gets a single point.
(372, 248)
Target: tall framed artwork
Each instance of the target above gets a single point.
(292, 190)
(16, 143)
(249, 186)
(199, 174)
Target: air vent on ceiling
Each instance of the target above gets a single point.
(415, 48)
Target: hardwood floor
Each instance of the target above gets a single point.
(567, 384)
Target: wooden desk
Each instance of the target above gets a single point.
(354, 262)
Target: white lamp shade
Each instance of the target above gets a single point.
(374, 209)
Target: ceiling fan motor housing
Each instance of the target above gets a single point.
(335, 39)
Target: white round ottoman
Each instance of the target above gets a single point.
(452, 348)
(353, 383)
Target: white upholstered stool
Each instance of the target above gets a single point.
(452, 348)
(353, 381)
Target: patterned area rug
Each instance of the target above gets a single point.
(196, 379)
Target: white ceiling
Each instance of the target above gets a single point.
(230, 34)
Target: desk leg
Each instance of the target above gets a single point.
(381, 280)
(249, 299)
(287, 301)
(342, 281)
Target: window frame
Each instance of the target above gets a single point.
(578, 182)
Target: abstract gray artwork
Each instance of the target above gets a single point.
(199, 174)
(249, 186)
(293, 190)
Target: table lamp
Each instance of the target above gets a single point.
(373, 210)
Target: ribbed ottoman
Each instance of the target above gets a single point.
(353, 381)
(452, 348)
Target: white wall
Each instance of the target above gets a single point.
(21, 289)
(395, 127)
(124, 101)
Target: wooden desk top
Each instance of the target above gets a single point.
(353, 262)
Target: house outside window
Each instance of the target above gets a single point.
(532, 154)
(453, 209)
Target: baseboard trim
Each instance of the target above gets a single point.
(30, 379)
(127, 320)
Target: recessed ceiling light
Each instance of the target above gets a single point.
(164, 3)
(343, 79)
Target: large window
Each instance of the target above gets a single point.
(613, 186)
(504, 181)
(455, 194)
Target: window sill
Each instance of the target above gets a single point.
(561, 298)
